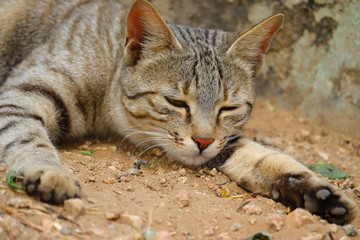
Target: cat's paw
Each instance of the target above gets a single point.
(52, 184)
(317, 196)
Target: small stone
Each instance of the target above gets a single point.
(235, 227)
(132, 220)
(213, 172)
(74, 208)
(224, 236)
(276, 221)
(66, 231)
(252, 220)
(90, 179)
(163, 181)
(57, 226)
(183, 180)
(334, 228)
(109, 181)
(299, 218)
(97, 231)
(222, 181)
(162, 235)
(350, 230)
(182, 171)
(312, 236)
(210, 231)
(252, 209)
(112, 215)
(113, 148)
(132, 171)
(344, 238)
(19, 203)
(183, 199)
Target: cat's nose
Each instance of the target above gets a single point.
(203, 143)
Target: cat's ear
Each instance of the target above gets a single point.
(254, 43)
(146, 31)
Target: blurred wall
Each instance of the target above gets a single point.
(314, 62)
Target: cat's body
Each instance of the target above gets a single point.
(76, 68)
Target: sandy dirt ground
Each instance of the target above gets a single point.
(173, 202)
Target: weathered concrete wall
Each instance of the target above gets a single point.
(314, 62)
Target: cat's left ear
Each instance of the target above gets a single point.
(146, 31)
(254, 43)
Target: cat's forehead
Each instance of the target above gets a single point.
(197, 39)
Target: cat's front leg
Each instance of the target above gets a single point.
(28, 121)
(281, 177)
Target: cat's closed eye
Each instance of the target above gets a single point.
(228, 108)
(177, 103)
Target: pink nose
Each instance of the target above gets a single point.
(203, 143)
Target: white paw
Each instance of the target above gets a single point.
(52, 184)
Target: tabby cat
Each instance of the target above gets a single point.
(90, 67)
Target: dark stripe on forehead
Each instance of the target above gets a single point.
(182, 34)
(214, 38)
(206, 36)
(139, 95)
(195, 75)
(190, 34)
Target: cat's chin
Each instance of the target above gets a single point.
(189, 160)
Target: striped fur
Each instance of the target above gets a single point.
(85, 67)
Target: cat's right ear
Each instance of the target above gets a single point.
(252, 45)
(146, 32)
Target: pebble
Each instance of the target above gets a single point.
(224, 236)
(90, 179)
(66, 231)
(210, 231)
(350, 230)
(57, 226)
(344, 238)
(183, 199)
(163, 181)
(334, 228)
(213, 172)
(252, 220)
(109, 181)
(132, 220)
(162, 235)
(19, 203)
(276, 221)
(235, 227)
(74, 208)
(312, 236)
(182, 171)
(113, 148)
(299, 218)
(132, 171)
(252, 209)
(183, 180)
(112, 215)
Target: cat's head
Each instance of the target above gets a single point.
(189, 91)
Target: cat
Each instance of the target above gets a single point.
(92, 67)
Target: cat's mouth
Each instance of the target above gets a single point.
(190, 159)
